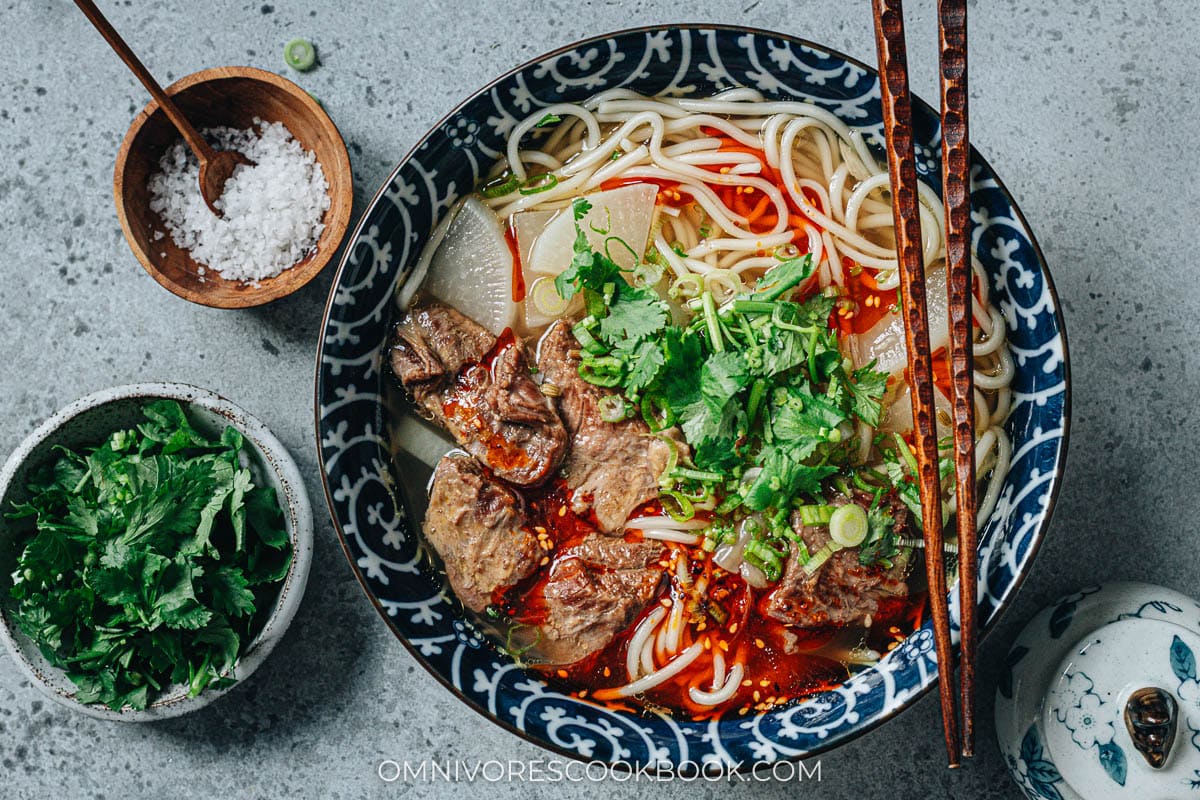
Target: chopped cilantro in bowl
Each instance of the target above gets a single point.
(152, 552)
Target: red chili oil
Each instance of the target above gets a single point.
(781, 664)
(460, 412)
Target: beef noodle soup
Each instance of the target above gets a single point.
(663, 341)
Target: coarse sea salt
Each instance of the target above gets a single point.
(272, 211)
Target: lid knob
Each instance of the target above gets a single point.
(1151, 718)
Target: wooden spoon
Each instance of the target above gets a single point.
(216, 166)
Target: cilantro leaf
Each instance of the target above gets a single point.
(724, 375)
(868, 388)
(636, 314)
(881, 543)
(644, 365)
(783, 476)
(230, 591)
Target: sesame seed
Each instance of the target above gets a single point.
(708, 644)
(562, 673)
(545, 560)
(607, 672)
(724, 645)
(562, 511)
(757, 695)
(665, 602)
(539, 529)
(764, 683)
(760, 644)
(733, 628)
(747, 682)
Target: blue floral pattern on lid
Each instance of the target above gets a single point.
(381, 538)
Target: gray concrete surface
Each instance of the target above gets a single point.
(1087, 109)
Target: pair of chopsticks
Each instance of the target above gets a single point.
(897, 118)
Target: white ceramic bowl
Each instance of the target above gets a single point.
(88, 421)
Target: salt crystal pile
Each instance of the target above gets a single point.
(272, 210)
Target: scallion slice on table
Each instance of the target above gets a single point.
(300, 54)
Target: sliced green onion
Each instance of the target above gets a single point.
(549, 119)
(909, 458)
(612, 408)
(595, 306)
(603, 371)
(815, 515)
(607, 292)
(820, 557)
(801, 551)
(585, 338)
(657, 412)
(680, 509)
(539, 183)
(687, 286)
(500, 187)
(665, 480)
(848, 526)
(786, 252)
(608, 252)
(645, 275)
(546, 299)
(720, 615)
(761, 555)
(697, 475)
(299, 54)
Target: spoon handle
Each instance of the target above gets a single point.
(199, 146)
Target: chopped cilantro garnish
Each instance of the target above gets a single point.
(757, 384)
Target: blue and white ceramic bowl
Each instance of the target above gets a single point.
(1061, 704)
(380, 533)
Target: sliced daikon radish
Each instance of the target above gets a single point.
(623, 213)
(528, 225)
(472, 268)
(897, 417)
(884, 343)
(421, 439)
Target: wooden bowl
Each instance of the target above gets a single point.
(232, 96)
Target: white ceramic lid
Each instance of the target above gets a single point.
(1084, 714)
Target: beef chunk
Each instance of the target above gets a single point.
(612, 468)
(842, 591)
(479, 388)
(595, 590)
(477, 526)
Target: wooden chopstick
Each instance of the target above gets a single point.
(956, 194)
(897, 120)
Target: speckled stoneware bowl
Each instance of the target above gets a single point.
(89, 421)
(377, 506)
